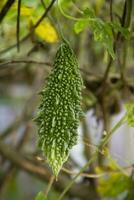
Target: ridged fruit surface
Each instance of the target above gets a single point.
(60, 109)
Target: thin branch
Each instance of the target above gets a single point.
(5, 9)
(43, 4)
(42, 17)
(22, 162)
(107, 71)
(87, 175)
(11, 169)
(125, 21)
(50, 17)
(86, 134)
(124, 170)
(18, 25)
(49, 185)
(110, 59)
(10, 62)
(127, 13)
(94, 156)
(13, 126)
(124, 62)
(111, 10)
(78, 190)
(28, 109)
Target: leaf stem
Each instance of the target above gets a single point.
(94, 156)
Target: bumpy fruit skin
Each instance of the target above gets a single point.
(60, 109)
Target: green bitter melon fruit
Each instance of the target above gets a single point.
(60, 109)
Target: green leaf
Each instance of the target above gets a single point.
(130, 114)
(88, 12)
(80, 25)
(102, 31)
(124, 31)
(41, 196)
(103, 34)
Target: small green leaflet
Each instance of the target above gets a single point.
(102, 31)
(40, 196)
(130, 114)
(89, 13)
(81, 25)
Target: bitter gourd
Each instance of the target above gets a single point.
(60, 109)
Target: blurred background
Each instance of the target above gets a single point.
(29, 38)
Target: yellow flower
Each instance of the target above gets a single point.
(25, 11)
(47, 32)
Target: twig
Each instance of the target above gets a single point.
(18, 25)
(22, 162)
(127, 13)
(86, 134)
(13, 126)
(6, 64)
(124, 62)
(87, 175)
(105, 173)
(42, 17)
(125, 21)
(42, 2)
(28, 109)
(11, 169)
(110, 59)
(106, 123)
(49, 185)
(50, 17)
(107, 71)
(94, 156)
(111, 10)
(77, 8)
(43, 173)
(5, 9)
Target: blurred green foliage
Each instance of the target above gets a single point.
(92, 34)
